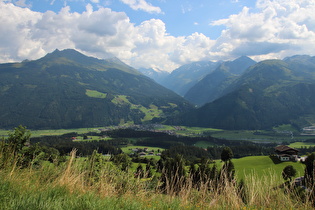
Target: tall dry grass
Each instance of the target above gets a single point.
(51, 185)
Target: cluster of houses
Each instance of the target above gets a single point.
(309, 130)
(144, 152)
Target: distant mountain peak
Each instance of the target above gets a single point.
(297, 57)
(66, 89)
(77, 58)
(244, 59)
(70, 54)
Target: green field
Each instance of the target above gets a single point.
(263, 166)
(258, 136)
(150, 113)
(191, 131)
(203, 144)
(95, 94)
(251, 135)
(301, 144)
(92, 138)
(128, 149)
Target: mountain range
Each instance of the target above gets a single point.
(212, 86)
(267, 94)
(66, 89)
(183, 78)
(156, 74)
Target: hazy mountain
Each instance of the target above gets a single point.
(183, 78)
(68, 89)
(155, 74)
(270, 93)
(213, 85)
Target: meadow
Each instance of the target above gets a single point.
(57, 132)
(250, 135)
(70, 186)
(262, 166)
(95, 182)
(301, 144)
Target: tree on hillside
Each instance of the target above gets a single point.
(139, 171)
(16, 149)
(228, 170)
(288, 172)
(309, 169)
(19, 138)
(122, 161)
(173, 174)
(226, 154)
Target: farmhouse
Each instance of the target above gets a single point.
(285, 153)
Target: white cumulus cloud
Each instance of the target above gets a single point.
(273, 29)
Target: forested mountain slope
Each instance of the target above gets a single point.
(270, 93)
(213, 85)
(68, 89)
(183, 78)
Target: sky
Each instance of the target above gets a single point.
(163, 34)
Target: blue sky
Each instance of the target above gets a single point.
(181, 18)
(162, 34)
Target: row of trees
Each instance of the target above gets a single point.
(175, 176)
(17, 149)
(64, 144)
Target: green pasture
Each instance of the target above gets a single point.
(36, 133)
(95, 94)
(263, 166)
(301, 144)
(250, 135)
(258, 136)
(203, 144)
(128, 149)
(150, 113)
(92, 138)
(195, 131)
(51, 132)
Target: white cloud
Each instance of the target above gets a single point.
(142, 5)
(29, 35)
(274, 29)
(186, 8)
(22, 3)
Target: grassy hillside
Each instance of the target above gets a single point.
(35, 177)
(263, 166)
(67, 187)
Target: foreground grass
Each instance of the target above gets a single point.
(71, 186)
